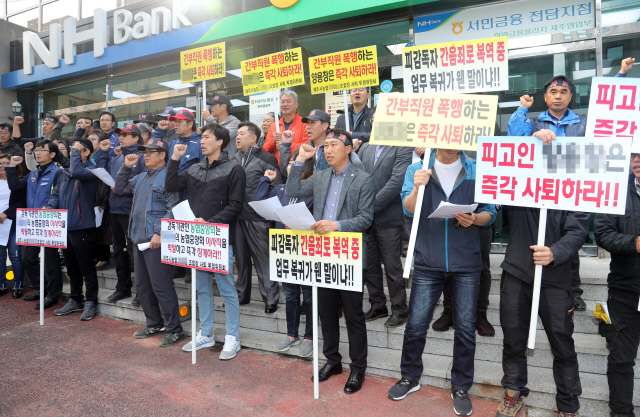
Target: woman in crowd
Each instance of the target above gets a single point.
(9, 202)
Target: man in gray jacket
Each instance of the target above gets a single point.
(343, 201)
(387, 165)
(219, 113)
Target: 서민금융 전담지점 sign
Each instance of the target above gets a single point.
(195, 245)
(333, 260)
(270, 72)
(41, 227)
(577, 174)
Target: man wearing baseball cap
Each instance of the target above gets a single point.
(185, 125)
(219, 113)
(120, 208)
(166, 129)
(148, 118)
(7, 145)
(154, 279)
(146, 132)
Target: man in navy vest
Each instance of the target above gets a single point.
(40, 184)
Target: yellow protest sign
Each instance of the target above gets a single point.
(344, 70)
(270, 72)
(450, 121)
(204, 63)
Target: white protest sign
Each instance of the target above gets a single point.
(195, 245)
(41, 227)
(261, 104)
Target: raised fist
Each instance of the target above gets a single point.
(287, 136)
(271, 174)
(178, 151)
(64, 119)
(15, 161)
(526, 101)
(105, 145)
(163, 124)
(306, 152)
(85, 123)
(18, 120)
(117, 151)
(130, 160)
(28, 147)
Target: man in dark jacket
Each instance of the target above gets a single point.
(120, 209)
(7, 145)
(107, 125)
(252, 235)
(447, 250)
(47, 127)
(216, 195)
(151, 203)
(618, 234)
(166, 129)
(77, 194)
(185, 124)
(359, 116)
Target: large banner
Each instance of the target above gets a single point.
(333, 260)
(447, 121)
(614, 108)
(344, 70)
(204, 63)
(515, 19)
(195, 245)
(457, 67)
(270, 72)
(581, 174)
(41, 227)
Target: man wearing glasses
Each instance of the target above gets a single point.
(360, 115)
(107, 125)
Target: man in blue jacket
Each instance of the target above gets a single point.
(185, 125)
(447, 250)
(77, 194)
(120, 208)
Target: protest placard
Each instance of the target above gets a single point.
(344, 70)
(584, 174)
(448, 121)
(271, 72)
(195, 245)
(471, 66)
(614, 108)
(333, 260)
(41, 227)
(204, 63)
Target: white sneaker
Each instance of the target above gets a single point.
(201, 342)
(230, 349)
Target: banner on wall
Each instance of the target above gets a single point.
(586, 174)
(448, 121)
(271, 72)
(204, 63)
(473, 66)
(344, 70)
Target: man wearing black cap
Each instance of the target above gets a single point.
(120, 208)
(151, 203)
(145, 131)
(219, 113)
(185, 125)
(7, 144)
(343, 201)
(148, 118)
(166, 129)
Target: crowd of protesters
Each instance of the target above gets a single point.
(349, 185)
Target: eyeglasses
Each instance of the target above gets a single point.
(359, 90)
(5, 163)
(164, 117)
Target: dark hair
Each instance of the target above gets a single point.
(52, 148)
(113, 117)
(101, 135)
(87, 143)
(252, 127)
(220, 132)
(558, 77)
(307, 168)
(18, 167)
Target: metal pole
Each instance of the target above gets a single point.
(277, 101)
(416, 223)
(193, 316)
(346, 111)
(39, 15)
(537, 280)
(598, 38)
(42, 289)
(316, 371)
(204, 100)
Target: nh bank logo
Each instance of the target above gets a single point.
(283, 4)
(428, 22)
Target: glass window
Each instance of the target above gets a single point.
(84, 100)
(57, 11)
(88, 6)
(3, 3)
(28, 19)
(617, 12)
(17, 5)
(614, 50)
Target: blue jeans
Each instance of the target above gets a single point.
(292, 294)
(204, 285)
(425, 292)
(16, 263)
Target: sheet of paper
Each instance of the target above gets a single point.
(143, 246)
(446, 210)
(296, 216)
(99, 215)
(5, 229)
(183, 212)
(104, 176)
(266, 208)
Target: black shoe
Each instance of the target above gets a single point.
(579, 303)
(444, 322)
(33, 297)
(117, 296)
(403, 388)
(483, 326)
(17, 293)
(148, 331)
(396, 320)
(170, 339)
(461, 402)
(89, 311)
(354, 383)
(375, 314)
(48, 302)
(327, 371)
(271, 308)
(71, 307)
(136, 301)
(3, 292)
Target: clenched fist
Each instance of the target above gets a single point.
(130, 160)
(526, 101)
(15, 161)
(163, 124)
(105, 145)
(178, 151)
(306, 152)
(18, 120)
(271, 174)
(28, 147)
(64, 119)
(287, 136)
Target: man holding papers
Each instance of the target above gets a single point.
(154, 280)
(343, 201)
(447, 250)
(215, 187)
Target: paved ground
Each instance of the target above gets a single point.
(73, 368)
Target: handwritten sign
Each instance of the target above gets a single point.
(41, 227)
(270, 72)
(195, 245)
(204, 63)
(344, 70)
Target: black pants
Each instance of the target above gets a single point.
(575, 274)
(53, 273)
(556, 313)
(622, 337)
(328, 309)
(252, 242)
(122, 247)
(103, 253)
(385, 243)
(486, 233)
(79, 257)
(154, 285)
